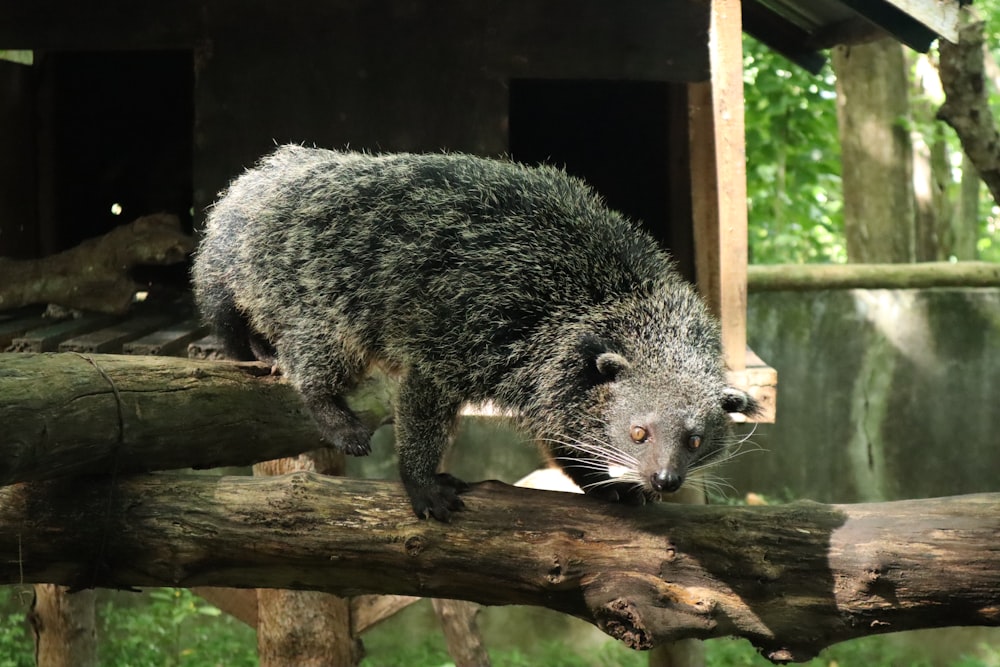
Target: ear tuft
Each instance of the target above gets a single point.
(611, 364)
(738, 401)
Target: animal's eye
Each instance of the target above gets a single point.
(694, 441)
(639, 434)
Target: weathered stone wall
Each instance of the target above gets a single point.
(882, 394)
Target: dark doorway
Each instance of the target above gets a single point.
(628, 139)
(115, 140)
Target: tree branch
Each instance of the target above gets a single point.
(966, 107)
(792, 579)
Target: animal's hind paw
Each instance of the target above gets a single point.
(356, 442)
(341, 429)
(437, 499)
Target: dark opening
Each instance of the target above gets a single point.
(115, 140)
(628, 139)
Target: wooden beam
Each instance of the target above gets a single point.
(940, 16)
(718, 173)
(924, 275)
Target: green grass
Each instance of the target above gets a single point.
(173, 628)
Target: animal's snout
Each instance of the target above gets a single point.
(666, 481)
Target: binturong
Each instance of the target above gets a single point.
(469, 279)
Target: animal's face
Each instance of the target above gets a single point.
(662, 423)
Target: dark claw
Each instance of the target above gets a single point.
(437, 499)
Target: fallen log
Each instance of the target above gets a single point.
(792, 579)
(94, 276)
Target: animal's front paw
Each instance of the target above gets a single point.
(437, 499)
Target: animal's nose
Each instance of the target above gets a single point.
(666, 480)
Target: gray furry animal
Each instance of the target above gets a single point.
(472, 279)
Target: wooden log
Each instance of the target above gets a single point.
(806, 277)
(94, 276)
(72, 414)
(792, 579)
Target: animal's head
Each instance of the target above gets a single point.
(657, 406)
(664, 420)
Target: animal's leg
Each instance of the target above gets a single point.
(323, 371)
(425, 419)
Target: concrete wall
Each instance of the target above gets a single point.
(882, 394)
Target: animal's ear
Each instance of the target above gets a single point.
(737, 400)
(604, 363)
(611, 364)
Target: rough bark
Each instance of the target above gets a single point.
(966, 107)
(64, 627)
(71, 414)
(803, 277)
(875, 152)
(792, 579)
(94, 275)
(461, 632)
(305, 628)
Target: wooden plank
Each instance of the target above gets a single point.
(14, 327)
(718, 174)
(111, 339)
(761, 382)
(172, 341)
(939, 16)
(48, 338)
(209, 347)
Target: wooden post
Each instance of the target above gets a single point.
(718, 179)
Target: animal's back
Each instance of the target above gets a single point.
(421, 259)
(476, 279)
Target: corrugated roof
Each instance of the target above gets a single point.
(801, 29)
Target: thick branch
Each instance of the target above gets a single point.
(803, 277)
(94, 275)
(72, 414)
(792, 578)
(966, 106)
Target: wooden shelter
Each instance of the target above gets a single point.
(131, 109)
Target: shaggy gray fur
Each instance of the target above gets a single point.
(472, 279)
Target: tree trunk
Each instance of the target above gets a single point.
(792, 579)
(305, 628)
(461, 632)
(965, 222)
(875, 152)
(64, 627)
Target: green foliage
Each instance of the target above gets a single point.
(164, 627)
(16, 648)
(793, 152)
(175, 627)
(795, 203)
